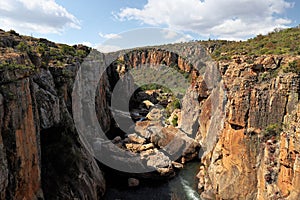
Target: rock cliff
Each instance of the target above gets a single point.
(248, 160)
(41, 155)
(244, 112)
(240, 117)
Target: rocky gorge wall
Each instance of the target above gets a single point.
(244, 158)
(243, 124)
(249, 158)
(41, 154)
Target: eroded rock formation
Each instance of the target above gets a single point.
(246, 162)
(42, 156)
(231, 119)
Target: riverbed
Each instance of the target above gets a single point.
(181, 187)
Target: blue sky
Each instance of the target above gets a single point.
(93, 22)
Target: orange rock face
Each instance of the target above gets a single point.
(27, 151)
(245, 163)
(156, 57)
(231, 167)
(288, 177)
(19, 129)
(32, 102)
(240, 161)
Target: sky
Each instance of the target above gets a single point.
(103, 24)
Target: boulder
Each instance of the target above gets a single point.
(177, 165)
(155, 114)
(146, 128)
(148, 104)
(133, 182)
(159, 160)
(134, 138)
(116, 140)
(139, 147)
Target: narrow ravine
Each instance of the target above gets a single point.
(146, 106)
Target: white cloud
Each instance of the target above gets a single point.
(184, 38)
(234, 19)
(174, 36)
(169, 34)
(107, 48)
(89, 44)
(39, 16)
(110, 36)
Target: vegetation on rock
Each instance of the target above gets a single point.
(278, 42)
(18, 51)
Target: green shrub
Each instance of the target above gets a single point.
(285, 41)
(175, 121)
(81, 53)
(42, 48)
(56, 54)
(22, 46)
(273, 130)
(67, 50)
(13, 32)
(12, 66)
(175, 104)
(293, 67)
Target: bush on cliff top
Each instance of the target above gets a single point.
(293, 67)
(285, 41)
(47, 51)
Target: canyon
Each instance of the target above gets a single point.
(243, 113)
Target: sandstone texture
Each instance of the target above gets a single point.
(249, 158)
(230, 109)
(41, 155)
(244, 113)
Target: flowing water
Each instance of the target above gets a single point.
(182, 187)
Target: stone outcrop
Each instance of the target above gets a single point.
(288, 161)
(19, 140)
(229, 118)
(233, 108)
(155, 57)
(246, 162)
(41, 155)
(33, 107)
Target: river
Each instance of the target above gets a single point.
(181, 187)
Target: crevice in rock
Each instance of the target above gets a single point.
(246, 119)
(236, 126)
(224, 69)
(286, 166)
(195, 128)
(285, 108)
(220, 157)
